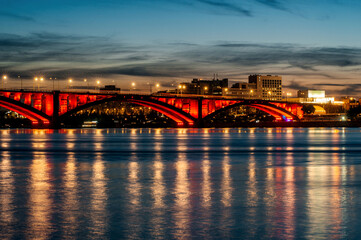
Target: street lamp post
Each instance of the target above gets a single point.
(41, 79)
(34, 82)
(133, 86)
(225, 91)
(98, 83)
(205, 90)
(86, 81)
(53, 83)
(3, 80)
(21, 82)
(69, 85)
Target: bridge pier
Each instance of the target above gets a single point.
(55, 123)
(199, 123)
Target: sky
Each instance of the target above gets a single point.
(311, 44)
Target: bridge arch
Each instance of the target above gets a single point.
(35, 116)
(279, 113)
(181, 118)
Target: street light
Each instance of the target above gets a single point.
(53, 82)
(205, 89)
(150, 87)
(70, 81)
(21, 82)
(2, 83)
(41, 79)
(35, 80)
(181, 87)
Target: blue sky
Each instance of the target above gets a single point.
(314, 44)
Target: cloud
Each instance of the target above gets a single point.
(87, 56)
(273, 4)
(305, 58)
(16, 16)
(296, 86)
(226, 6)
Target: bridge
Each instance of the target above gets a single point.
(49, 109)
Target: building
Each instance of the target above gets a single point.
(266, 87)
(203, 87)
(314, 96)
(350, 102)
(311, 93)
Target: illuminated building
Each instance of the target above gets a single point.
(266, 87)
(203, 87)
(311, 93)
(314, 96)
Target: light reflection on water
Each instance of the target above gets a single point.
(7, 196)
(40, 201)
(180, 183)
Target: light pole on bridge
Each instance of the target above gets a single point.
(3, 80)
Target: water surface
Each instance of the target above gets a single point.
(288, 183)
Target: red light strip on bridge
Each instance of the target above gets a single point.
(276, 112)
(177, 117)
(33, 117)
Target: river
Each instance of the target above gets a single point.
(257, 183)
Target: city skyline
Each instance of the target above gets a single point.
(312, 45)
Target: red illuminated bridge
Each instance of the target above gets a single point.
(49, 109)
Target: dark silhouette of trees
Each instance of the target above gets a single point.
(308, 109)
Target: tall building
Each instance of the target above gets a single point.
(203, 87)
(266, 87)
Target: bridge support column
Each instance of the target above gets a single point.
(199, 122)
(55, 124)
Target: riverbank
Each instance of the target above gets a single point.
(291, 124)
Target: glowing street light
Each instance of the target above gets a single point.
(205, 89)
(21, 82)
(132, 86)
(181, 87)
(70, 81)
(2, 82)
(41, 79)
(86, 81)
(225, 90)
(36, 79)
(157, 85)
